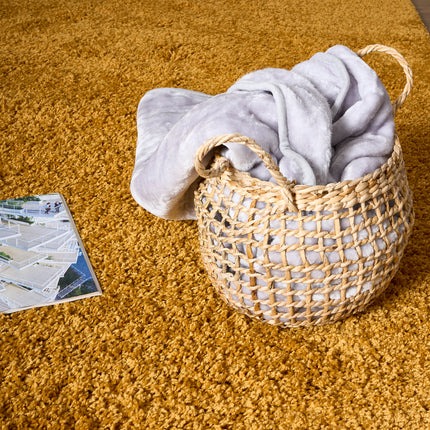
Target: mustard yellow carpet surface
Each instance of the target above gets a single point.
(159, 349)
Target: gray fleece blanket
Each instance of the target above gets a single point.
(326, 120)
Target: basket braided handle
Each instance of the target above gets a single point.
(401, 60)
(222, 163)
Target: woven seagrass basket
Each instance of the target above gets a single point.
(296, 255)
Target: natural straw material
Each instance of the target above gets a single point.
(350, 236)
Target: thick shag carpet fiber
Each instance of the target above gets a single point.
(159, 349)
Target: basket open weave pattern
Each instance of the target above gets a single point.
(295, 255)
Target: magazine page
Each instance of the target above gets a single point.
(42, 258)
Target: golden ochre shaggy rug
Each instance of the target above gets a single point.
(159, 349)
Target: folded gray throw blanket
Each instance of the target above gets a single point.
(328, 119)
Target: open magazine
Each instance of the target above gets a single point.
(42, 258)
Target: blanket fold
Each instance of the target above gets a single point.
(326, 120)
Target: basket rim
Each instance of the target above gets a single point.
(308, 197)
